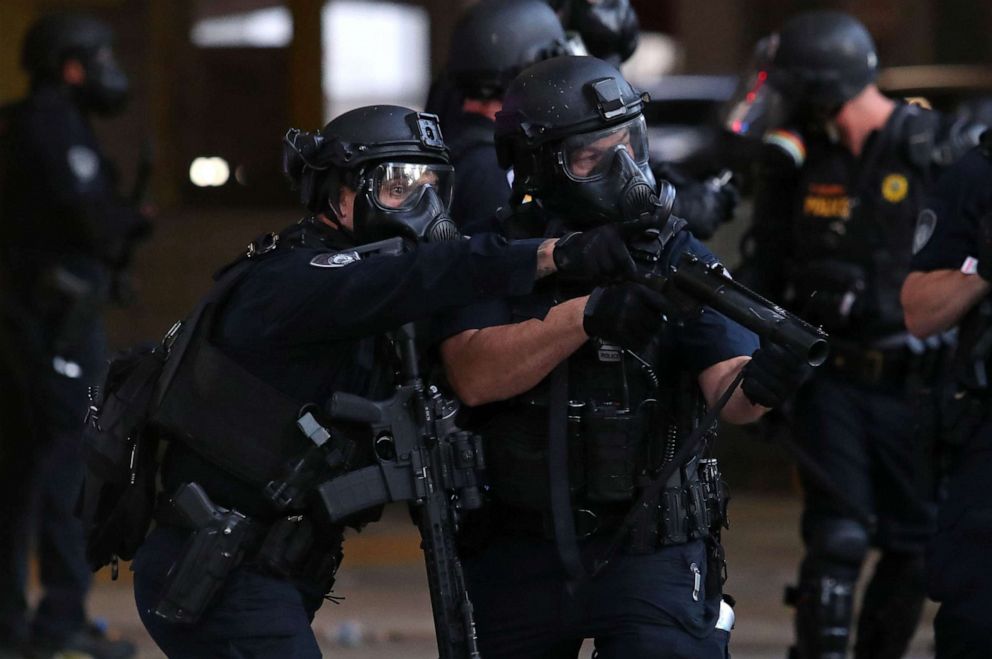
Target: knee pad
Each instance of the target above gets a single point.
(838, 540)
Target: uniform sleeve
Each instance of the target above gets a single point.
(766, 248)
(289, 300)
(945, 230)
(712, 337)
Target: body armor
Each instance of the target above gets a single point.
(855, 218)
(627, 415)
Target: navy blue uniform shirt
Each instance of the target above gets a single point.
(947, 230)
(309, 329)
(481, 186)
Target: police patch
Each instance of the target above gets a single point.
(335, 259)
(895, 187)
(925, 224)
(83, 162)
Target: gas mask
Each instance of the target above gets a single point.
(606, 175)
(409, 200)
(105, 91)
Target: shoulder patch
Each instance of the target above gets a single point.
(925, 225)
(788, 141)
(83, 162)
(335, 259)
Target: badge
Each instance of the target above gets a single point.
(609, 353)
(83, 162)
(895, 187)
(925, 224)
(335, 259)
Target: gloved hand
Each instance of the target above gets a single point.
(627, 314)
(598, 254)
(727, 196)
(985, 247)
(773, 375)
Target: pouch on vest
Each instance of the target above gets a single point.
(120, 439)
(119, 452)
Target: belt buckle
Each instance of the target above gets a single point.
(874, 360)
(593, 522)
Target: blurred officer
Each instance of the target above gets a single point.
(493, 41)
(839, 189)
(66, 235)
(950, 285)
(629, 383)
(304, 320)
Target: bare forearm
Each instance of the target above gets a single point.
(715, 380)
(936, 301)
(497, 363)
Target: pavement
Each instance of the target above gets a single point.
(386, 610)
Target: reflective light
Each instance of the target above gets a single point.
(374, 52)
(209, 172)
(263, 28)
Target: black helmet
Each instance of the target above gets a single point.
(393, 157)
(823, 59)
(495, 39)
(572, 129)
(53, 39)
(609, 28)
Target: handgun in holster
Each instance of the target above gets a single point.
(216, 547)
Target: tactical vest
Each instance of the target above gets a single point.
(627, 416)
(225, 414)
(855, 219)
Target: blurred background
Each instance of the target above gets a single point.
(216, 83)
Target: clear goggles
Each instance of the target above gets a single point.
(589, 156)
(400, 185)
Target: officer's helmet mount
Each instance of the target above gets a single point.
(392, 157)
(572, 129)
(53, 40)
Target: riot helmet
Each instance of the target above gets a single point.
(823, 59)
(572, 129)
(53, 39)
(395, 160)
(495, 39)
(608, 28)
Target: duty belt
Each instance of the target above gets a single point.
(879, 366)
(683, 514)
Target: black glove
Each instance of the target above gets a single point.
(773, 375)
(985, 247)
(597, 254)
(627, 314)
(727, 197)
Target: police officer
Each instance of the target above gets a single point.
(950, 285)
(67, 234)
(493, 41)
(301, 321)
(599, 371)
(839, 188)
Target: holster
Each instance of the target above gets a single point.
(291, 547)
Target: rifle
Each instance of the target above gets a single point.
(422, 458)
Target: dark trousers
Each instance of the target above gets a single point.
(41, 473)
(640, 606)
(865, 439)
(253, 615)
(958, 556)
